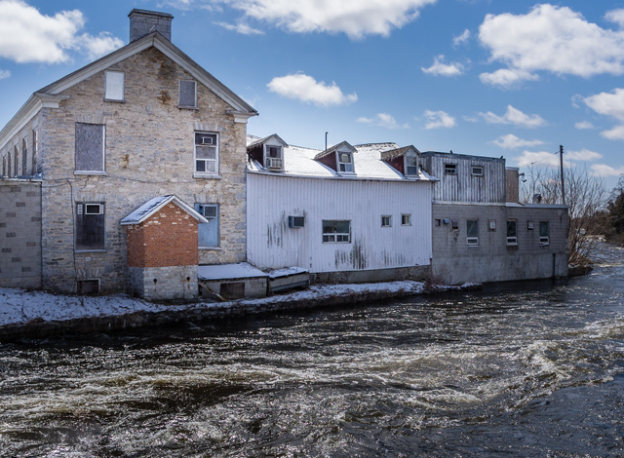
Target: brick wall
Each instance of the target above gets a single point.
(167, 238)
(20, 233)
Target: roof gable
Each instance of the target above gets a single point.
(152, 206)
(340, 146)
(265, 140)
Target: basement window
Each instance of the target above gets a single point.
(114, 86)
(544, 229)
(386, 221)
(90, 226)
(208, 233)
(336, 231)
(188, 94)
(87, 287)
(89, 149)
(472, 232)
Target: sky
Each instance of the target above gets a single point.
(480, 77)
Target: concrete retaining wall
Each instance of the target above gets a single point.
(163, 283)
(415, 273)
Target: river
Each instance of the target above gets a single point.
(520, 370)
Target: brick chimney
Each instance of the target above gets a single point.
(143, 22)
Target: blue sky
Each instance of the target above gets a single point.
(482, 77)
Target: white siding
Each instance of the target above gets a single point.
(272, 244)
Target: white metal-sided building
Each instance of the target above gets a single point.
(347, 214)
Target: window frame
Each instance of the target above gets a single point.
(409, 219)
(471, 239)
(405, 165)
(350, 163)
(24, 157)
(335, 235)
(475, 174)
(268, 159)
(544, 240)
(206, 173)
(386, 220)
(81, 213)
(90, 172)
(200, 208)
(192, 107)
(450, 169)
(106, 86)
(512, 240)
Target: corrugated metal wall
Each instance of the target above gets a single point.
(463, 186)
(272, 244)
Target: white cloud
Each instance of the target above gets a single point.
(28, 36)
(609, 104)
(507, 78)
(554, 39)
(576, 99)
(510, 141)
(383, 120)
(356, 18)
(4, 74)
(515, 117)
(582, 155)
(241, 28)
(305, 88)
(463, 38)
(440, 68)
(437, 119)
(582, 125)
(616, 16)
(603, 170)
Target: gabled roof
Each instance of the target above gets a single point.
(264, 140)
(391, 154)
(155, 39)
(152, 206)
(336, 147)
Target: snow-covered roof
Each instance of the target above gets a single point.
(287, 272)
(229, 272)
(299, 162)
(153, 205)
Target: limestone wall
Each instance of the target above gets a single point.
(149, 152)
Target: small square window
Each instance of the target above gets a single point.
(114, 89)
(438, 222)
(477, 171)
(406, 219)
(530, 225)
(188, 94)
(450, 169)
(386, 221)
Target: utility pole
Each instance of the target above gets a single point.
(562, 180)
(326, 140)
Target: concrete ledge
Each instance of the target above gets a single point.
(414, 273)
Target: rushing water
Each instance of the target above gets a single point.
(535, 369)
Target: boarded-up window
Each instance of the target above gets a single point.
(114, 86)
(87, 287)
(188, 94)
(208, 233)
(206, 153)
(24, 157)
(90, 228)
(89, 147)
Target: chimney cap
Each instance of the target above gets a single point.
(151, 13)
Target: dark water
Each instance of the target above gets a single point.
(530, 370)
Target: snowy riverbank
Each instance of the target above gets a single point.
(37, 313)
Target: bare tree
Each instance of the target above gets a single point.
(585, 197)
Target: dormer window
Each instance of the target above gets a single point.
(411, 166)
(274, 158)
(345, 162)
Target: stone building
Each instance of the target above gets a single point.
(143, 122)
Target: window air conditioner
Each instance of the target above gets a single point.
(296, 222)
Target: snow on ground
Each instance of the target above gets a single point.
(19, 306)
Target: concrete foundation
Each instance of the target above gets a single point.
(163, 283)
(414, 273)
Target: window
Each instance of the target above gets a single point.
(89, 148)
(406, 219)
(450, 169)
(512, 232)
(3, 166)
(273, 157)
(492, 225)
(411, 166)
(386, 221)
(188, 94)
(35, 149)
(544, 230)
(438, 222)
(24, 158)
(114, 86)
(296, 222)
(477, 171)
(472, 232)
(206, 153)
(16, 162)
(345, 162)
(8, 163)
(208, 233)
(90, 226)
(336, 231)
(455, 224)
(530, 225)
